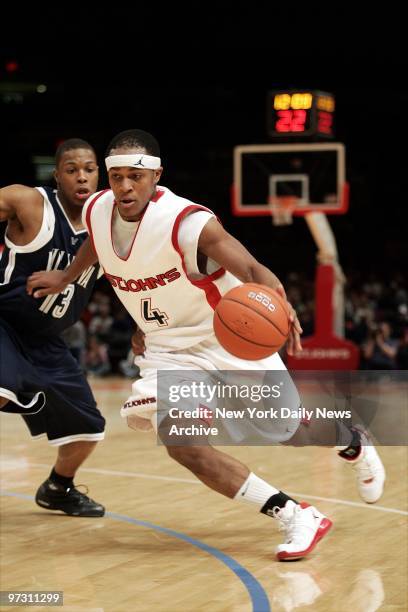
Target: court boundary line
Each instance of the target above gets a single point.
(257, 594)
(332, 500)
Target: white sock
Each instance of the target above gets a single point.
(255, 491)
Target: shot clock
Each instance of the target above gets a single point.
(300, 114)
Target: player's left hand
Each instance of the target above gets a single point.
(294, 343)
(45, 282)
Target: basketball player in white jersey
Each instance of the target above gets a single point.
(169, 262)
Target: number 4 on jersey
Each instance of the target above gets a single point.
(150, 314)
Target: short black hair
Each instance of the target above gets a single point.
(70, 145)
(130, 139)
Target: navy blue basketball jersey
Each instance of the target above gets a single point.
(53, 248)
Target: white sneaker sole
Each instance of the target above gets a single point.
(322, 530)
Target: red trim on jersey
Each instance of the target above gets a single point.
(88, 217)
(158, 195)
(211, 291)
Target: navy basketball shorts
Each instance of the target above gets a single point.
(44, 383)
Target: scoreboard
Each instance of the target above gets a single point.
(300, 114)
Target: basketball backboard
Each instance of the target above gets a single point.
(310, 176)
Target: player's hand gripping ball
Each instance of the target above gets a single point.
(251, 321)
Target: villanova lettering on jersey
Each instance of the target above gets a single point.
(54, 248)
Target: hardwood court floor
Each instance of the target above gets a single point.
(170, 544)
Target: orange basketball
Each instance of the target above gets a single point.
(252, 321)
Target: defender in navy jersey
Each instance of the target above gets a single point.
(39, 378)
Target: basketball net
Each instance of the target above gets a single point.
(282, 208)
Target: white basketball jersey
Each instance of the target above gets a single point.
(173, 310)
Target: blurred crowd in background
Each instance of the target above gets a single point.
(101, 339)
(376, 320)
(376, 316)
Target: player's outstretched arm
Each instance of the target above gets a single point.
(44, 283)
(229, 253)
(22, 204)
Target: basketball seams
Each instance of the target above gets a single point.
(246, 316)
(233, 331)
(228, 299)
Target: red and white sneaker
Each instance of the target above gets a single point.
(303, 525)
(369, 469)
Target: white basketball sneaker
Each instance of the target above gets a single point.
(370, 472)
(303, 525)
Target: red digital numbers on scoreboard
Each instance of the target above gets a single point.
(302, 114)
(325, 122)
(291, 121)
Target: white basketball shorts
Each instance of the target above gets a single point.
(140, 409)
